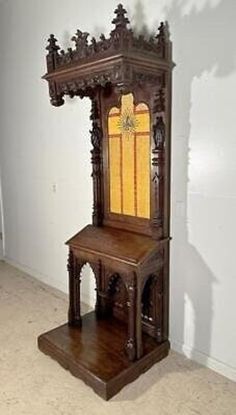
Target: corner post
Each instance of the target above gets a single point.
(131, 341)
(74, 269)
(96, 159)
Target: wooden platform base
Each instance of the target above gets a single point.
(95, 353)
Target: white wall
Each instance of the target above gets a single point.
(45, 154)
(1, 222)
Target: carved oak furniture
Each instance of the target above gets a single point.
(128, 79)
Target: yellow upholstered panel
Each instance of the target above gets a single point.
(129, 158)
(128, 174)
(115, 174)
(113, 121)
(143, 176)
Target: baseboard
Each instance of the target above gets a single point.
(36, 274)
(205, 360)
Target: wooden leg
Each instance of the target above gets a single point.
(131, 342)
(74, 269)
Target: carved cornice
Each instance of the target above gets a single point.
(120, 39)
(122, 59)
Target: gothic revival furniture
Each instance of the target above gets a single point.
(128, 79)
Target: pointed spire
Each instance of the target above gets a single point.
(52, 46)
(121, 21)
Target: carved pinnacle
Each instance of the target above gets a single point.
(120, 20)
(52, 46)
(163, 33)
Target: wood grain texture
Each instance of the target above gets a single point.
(122, 245)
(82, 351)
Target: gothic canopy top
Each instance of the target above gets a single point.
(122, 57)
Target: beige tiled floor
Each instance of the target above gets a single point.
(31, 383)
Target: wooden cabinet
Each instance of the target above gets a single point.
(128, 79)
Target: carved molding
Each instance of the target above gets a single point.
(158, 158)
(96, 158)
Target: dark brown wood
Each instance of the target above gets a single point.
(107, 377)
(115, 244)
(129, 255)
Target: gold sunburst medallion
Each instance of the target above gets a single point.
(127, 122)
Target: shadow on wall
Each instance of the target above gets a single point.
(199, 44)
(200, 38)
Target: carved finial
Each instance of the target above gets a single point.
(52, 46)
(163, 33)
(121, 21)
(94, 44)
(80, 39)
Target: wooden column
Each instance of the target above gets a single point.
(74, 269)
(96, 158)
(158, 165)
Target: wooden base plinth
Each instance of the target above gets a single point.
(95, 353)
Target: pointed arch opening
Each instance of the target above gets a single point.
(88, 285)
(151, 306)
